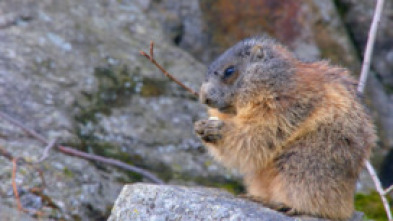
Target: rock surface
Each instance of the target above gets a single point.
(312, 29)
(153, 202)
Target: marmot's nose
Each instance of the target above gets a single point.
(207, 101)
(204, 99)
(204, 95)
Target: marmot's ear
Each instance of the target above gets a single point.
(257, 53)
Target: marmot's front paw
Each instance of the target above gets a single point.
(209, 130)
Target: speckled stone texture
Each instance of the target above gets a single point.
(169, 202)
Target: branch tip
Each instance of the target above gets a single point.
(152, 49)
(166, 73)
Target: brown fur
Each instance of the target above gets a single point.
(296, 130)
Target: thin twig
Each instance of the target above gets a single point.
(388, 190)
(14, 187)
(74, 152)
(24, 128)
(379, 189)
(370, 46)
(5, 153)
(9, 156)
(15, 161)
(49, 202)
(40, 173)
(16, 193)
(362, 82)
(151, 50)
(168, 75)
(145, 173)
(48, 147)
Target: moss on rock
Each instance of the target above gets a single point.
(371, 205)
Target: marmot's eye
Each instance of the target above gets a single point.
(229, 71)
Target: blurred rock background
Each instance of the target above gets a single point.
(71, 70)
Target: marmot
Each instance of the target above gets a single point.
(295, 129)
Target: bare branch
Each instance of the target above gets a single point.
(388, 190)
(168, 75)
(6, 154)
(362, 82)
(48, 147)
(370, 46)
(38, 190)
(151, 50)
(71, 151)
(14, 187)
(23, 127)
(379, 189)
(41, 174)
(109, 161)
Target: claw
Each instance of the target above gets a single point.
(209, 130)
(290, 212)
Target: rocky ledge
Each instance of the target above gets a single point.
(169, 202)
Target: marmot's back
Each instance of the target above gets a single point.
(322, 158)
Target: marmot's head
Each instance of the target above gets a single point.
(251, 72)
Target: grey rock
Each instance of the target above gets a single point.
(203, 28)
(183, 24)
(153, 202)
(10, 214)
